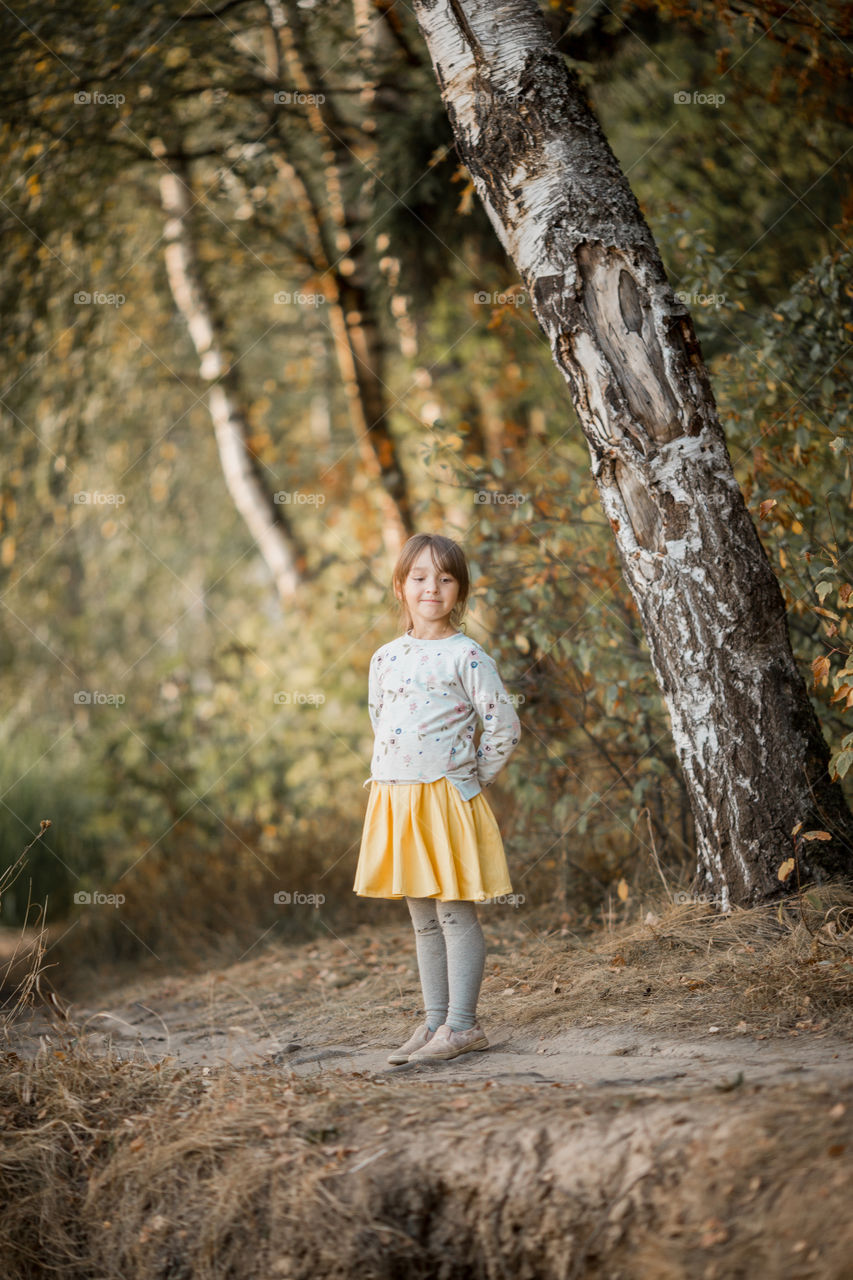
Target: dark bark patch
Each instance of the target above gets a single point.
(623, 322)
(676, 517)
(549, 302)
(629, 303)
(642, 511)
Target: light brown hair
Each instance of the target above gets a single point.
(447, 556)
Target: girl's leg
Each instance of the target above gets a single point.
(466, 959)
(432, 959)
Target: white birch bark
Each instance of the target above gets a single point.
(754, 759)
(264, 519)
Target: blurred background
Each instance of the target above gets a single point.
(256, 330)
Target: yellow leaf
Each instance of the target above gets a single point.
(786, 868)
(817, 835)
(797, 828)
(622, 890)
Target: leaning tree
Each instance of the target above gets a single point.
(746, 734)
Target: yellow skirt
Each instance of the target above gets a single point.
(422, 840)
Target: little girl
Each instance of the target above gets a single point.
(429, 833)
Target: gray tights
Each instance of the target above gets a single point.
(451, 958)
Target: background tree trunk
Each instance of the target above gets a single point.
(265, 519)
(336, 228)
(747, 737)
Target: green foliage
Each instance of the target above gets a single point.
(50, 785)
(786, 401)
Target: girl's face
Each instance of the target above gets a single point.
(430, 594)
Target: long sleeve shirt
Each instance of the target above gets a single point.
(424, 700)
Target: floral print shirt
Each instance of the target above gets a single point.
(424, 700)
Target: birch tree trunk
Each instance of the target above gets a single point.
(264, 518)
(746, 735)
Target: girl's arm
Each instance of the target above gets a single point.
(501, 725)
(374, 693)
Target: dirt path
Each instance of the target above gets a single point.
(342, 1005)
(670, 1104)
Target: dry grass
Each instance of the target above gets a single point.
(21, 953)
(782, 967)
(126, 1170)
(133, 1170)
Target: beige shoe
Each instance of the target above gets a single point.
(449, 1044)
(421, 1037)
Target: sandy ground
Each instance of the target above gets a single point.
(665, 1105)
(341, 1005)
